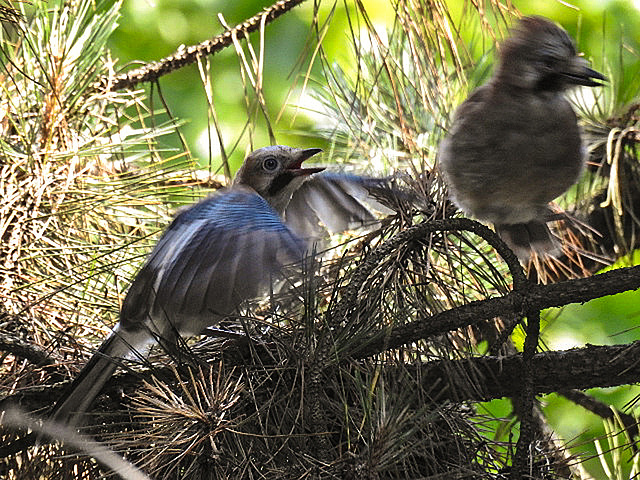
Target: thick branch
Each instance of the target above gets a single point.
(474, 379)
(537, 298)
(486, 378)
(22, 349)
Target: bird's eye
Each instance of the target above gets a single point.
(548, 61)
(270, 164)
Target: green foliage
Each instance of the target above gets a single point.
(82, 181)
(149, 33)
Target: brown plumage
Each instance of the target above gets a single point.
(514, 144)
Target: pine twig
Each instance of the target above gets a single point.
(151, 72)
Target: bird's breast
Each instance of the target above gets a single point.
(511, 152)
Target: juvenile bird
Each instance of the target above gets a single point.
(514, 144)
(217, 254)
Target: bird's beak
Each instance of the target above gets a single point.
(579, 73)
(295, 167)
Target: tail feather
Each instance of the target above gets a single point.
(77, 400)
(523, 238)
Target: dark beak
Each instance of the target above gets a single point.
(295, 167)
(581, 74)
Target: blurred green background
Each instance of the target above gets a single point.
(152, 30)
(607, 31)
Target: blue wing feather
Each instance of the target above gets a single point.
(214, 255)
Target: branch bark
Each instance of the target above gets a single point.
(22, 349)
(472, 379)
(486, 378)
(537, 297)
(188, 55)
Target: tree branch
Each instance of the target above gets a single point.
(22, 349)
(537, 298)
(187, 55)
(472, 379)
(486, 378)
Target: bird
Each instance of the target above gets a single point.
(514, 144)
(219, 253)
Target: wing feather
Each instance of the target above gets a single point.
(338, 201)
(215, 255)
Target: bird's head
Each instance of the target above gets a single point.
(276, 172)
(541, 56)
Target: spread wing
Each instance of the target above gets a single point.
(214, 255)
(338, 202)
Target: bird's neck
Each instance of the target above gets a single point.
(278, 200)
(513, 87)
(523, 80)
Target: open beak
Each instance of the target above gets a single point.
(579, 73)
(295, 167)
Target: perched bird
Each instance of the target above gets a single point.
(514, 144)
(219, 253)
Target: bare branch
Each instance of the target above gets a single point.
(20, 348)
(188, 55)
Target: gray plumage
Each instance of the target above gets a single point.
(217, 254)
(514, 144)
(336, 202)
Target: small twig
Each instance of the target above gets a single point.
(601, 409)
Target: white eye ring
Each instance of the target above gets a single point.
(270, 164)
